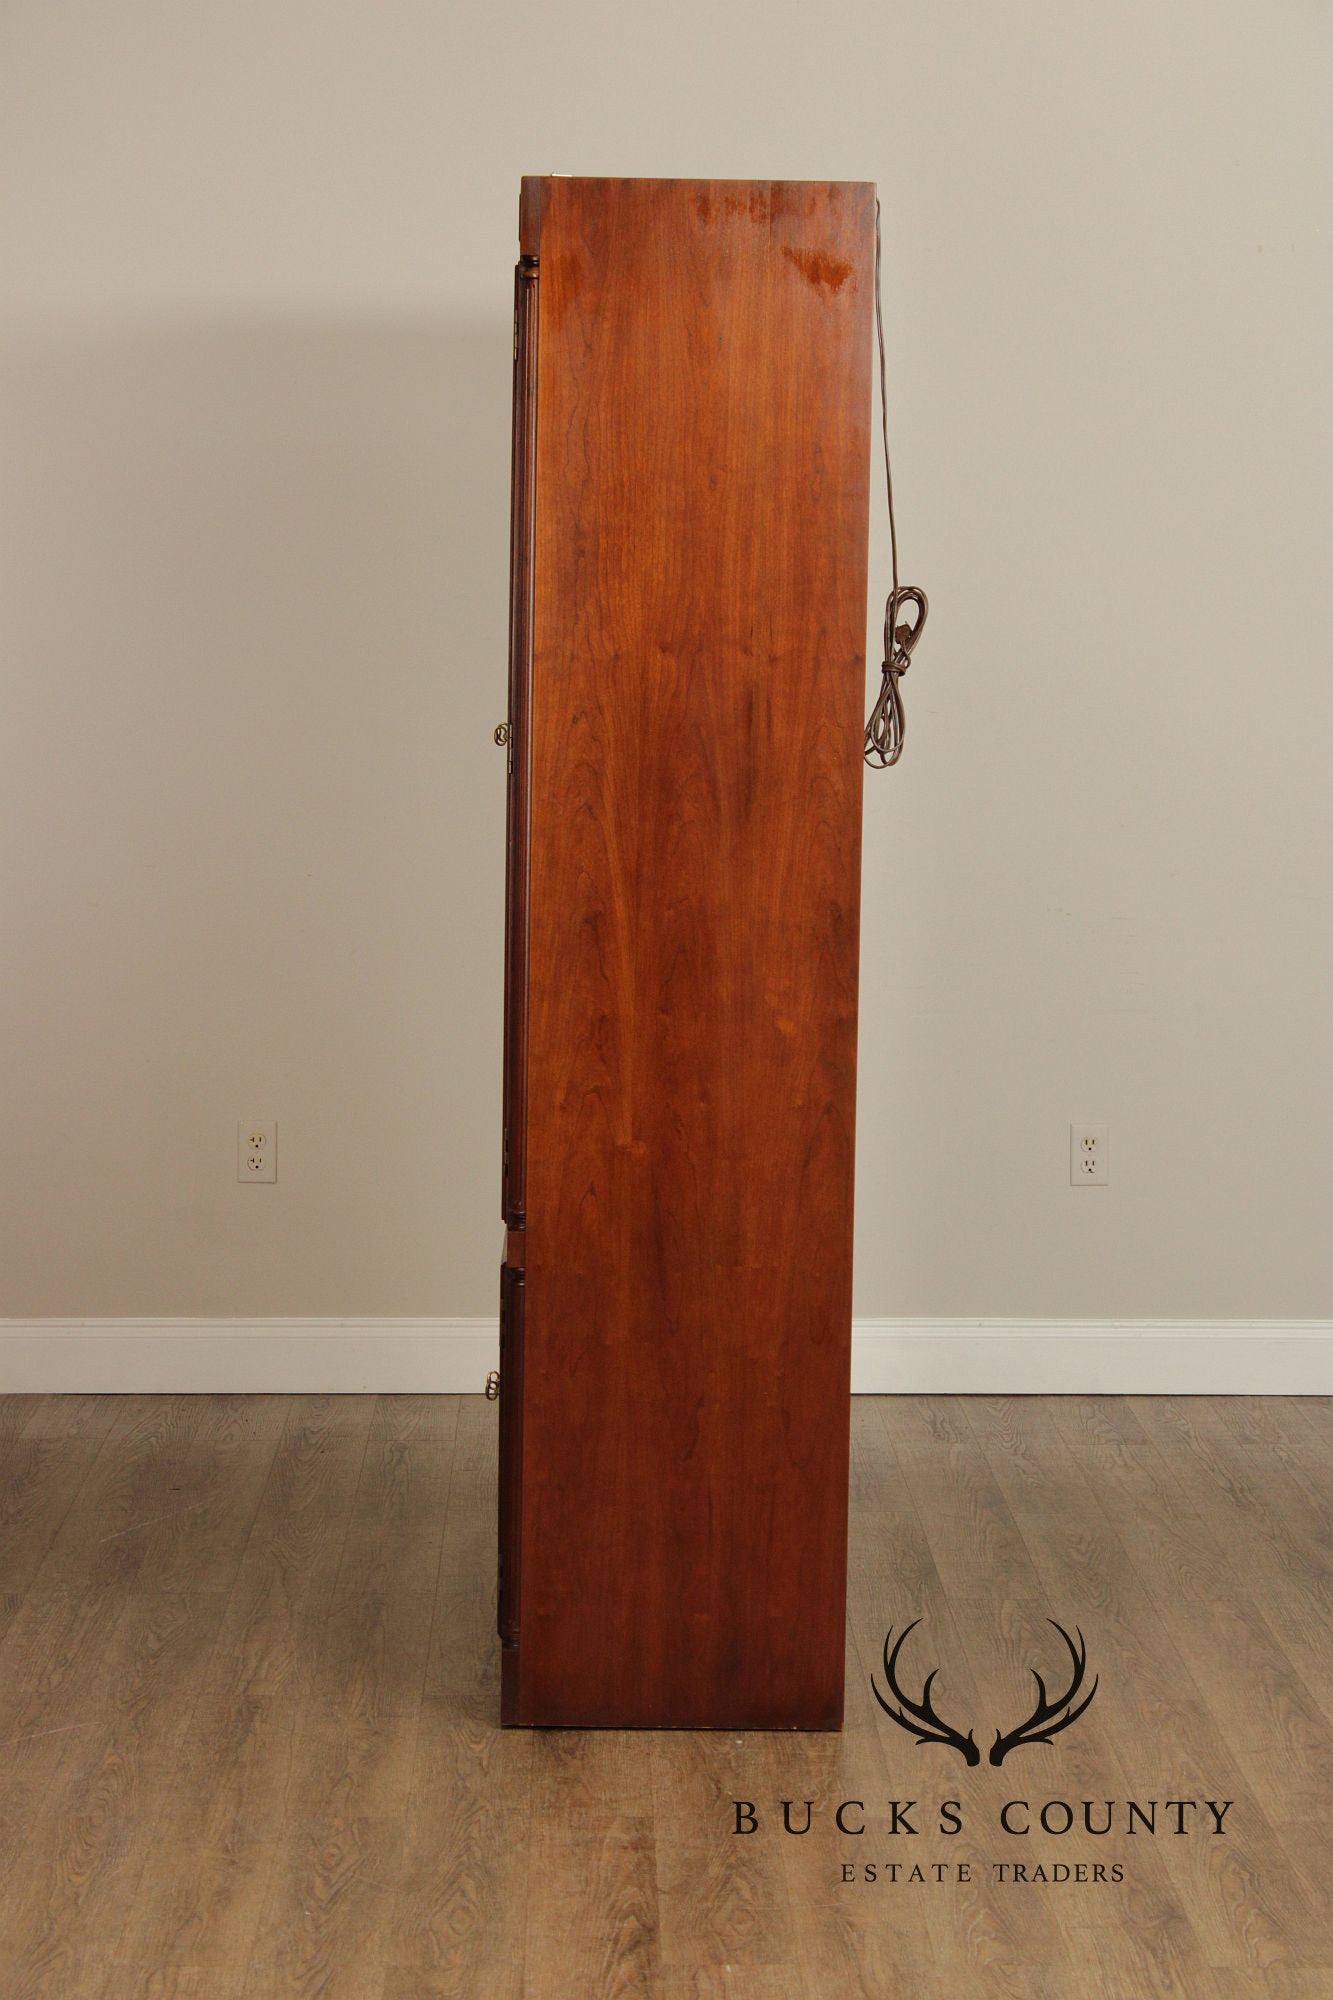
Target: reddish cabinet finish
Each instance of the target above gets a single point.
(688, 619)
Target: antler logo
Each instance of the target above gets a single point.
(1047, 1719)
(920, 1719)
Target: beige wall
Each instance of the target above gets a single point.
(253, 424)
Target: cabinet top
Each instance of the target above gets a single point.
(762, 201)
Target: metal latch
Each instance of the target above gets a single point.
(493, 1386)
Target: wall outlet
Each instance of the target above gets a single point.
(256, 1152)
(1087, 1156)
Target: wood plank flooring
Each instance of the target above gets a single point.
(249, 1688)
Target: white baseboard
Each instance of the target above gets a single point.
(251, 1356)
(889, 1356)
(1091, 1357)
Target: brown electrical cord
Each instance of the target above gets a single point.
(887, 726)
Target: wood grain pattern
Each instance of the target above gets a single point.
(96, 1796)
(460, 1920)
(218, 1830)
(1273, 1525)
(15, 1414)
(53, 1655)
(254, 1681)
(41, 1473)
(698, 670)
(977, 1538)
(1247, 1901)
(336, 1871)
(715, 1895)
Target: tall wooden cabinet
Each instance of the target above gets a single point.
(691, 453)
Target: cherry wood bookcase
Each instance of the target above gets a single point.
(691, 454)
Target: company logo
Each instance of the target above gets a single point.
(921, 1720)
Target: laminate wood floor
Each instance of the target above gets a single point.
(249, 1682)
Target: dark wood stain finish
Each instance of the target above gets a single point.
(677, 1502)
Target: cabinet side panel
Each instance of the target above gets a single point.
(698, 678)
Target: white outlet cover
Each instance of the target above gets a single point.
(1088, 1156)
(256, 1150)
